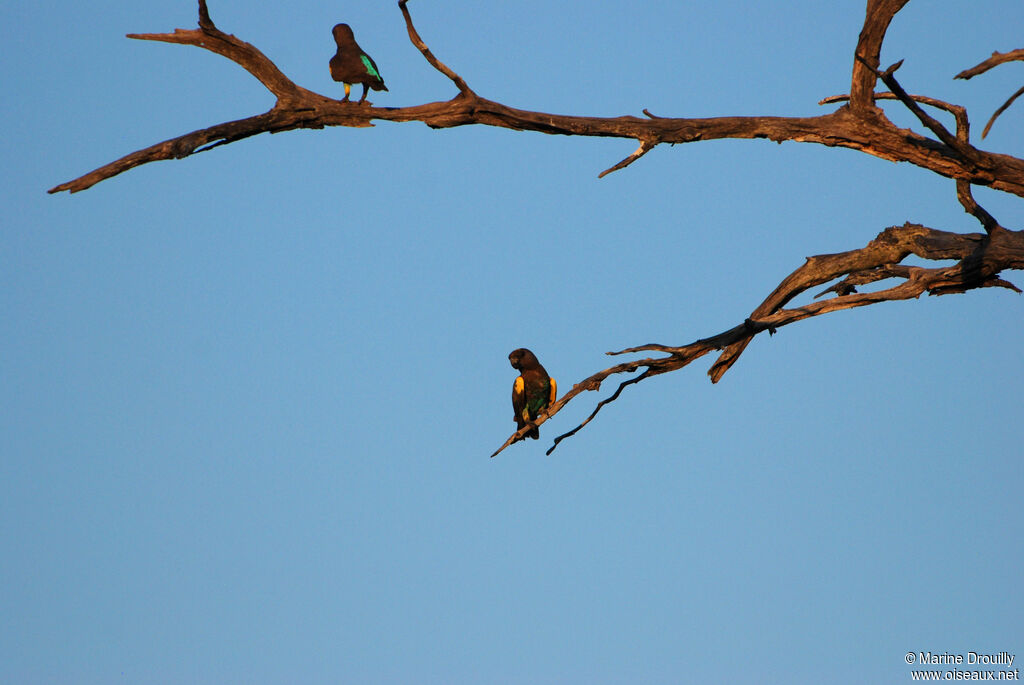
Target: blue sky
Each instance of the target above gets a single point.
(249, 396)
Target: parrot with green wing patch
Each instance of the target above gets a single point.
(351, 65)
(533, 391)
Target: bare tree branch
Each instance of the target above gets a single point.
(979, 260)
(966, 198)
(414, 36)
(1002, 108)
(890, 247)
(855, 126)
(644, 148)
(958, 112)
(958, 143)
(869, 45)
(995, 60)
(296, 107)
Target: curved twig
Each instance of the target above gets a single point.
(414, 36)
(608, 400)
(966, 198)
(1002, 108)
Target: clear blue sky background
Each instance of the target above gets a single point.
(248, 397)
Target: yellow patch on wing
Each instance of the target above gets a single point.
(554, 391)
(518, 398)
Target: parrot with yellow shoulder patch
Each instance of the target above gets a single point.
(533, 391)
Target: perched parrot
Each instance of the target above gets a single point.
(533, 391)
(351, 65)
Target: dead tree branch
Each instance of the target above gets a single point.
(966, 198)
(869, 45)
(414, 36)
(995, 60)
(859, 125)
(979, 259)
(958, 143)
(1002, 108)
(958, 112)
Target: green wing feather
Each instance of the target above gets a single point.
(370, 68)
(539, 401)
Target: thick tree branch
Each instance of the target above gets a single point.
(866, 57)
(979, 259)
(854, 127)
(889, 248)
(958, 112)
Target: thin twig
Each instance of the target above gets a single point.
(414, 36)
(600, 404)
(644, 148)
(999, 111)
(995, 60)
